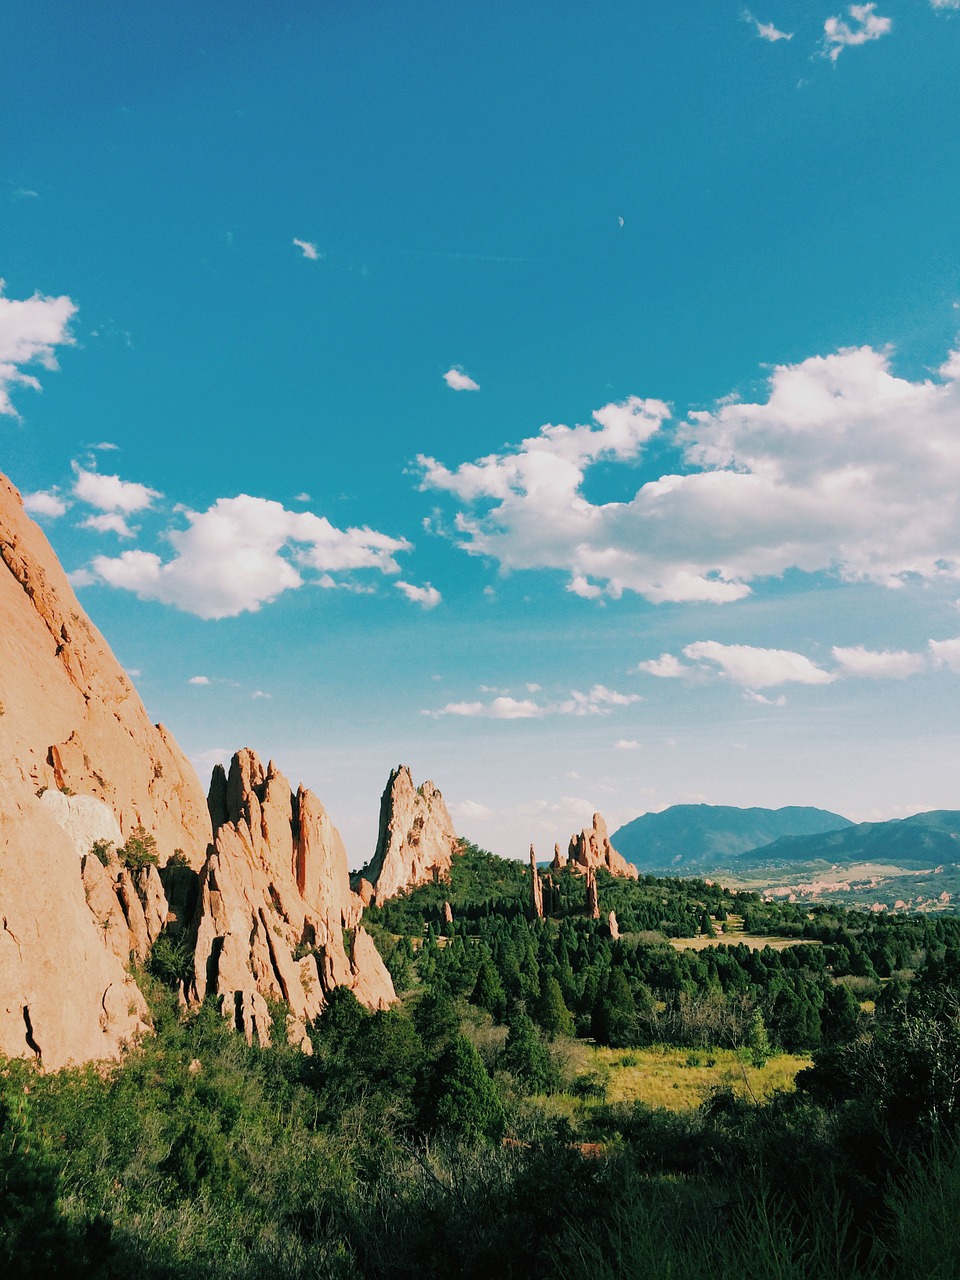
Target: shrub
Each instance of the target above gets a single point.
(140, 850)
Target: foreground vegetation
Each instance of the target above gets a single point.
(515, 1116)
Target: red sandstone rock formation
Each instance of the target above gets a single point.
(417, 840)
(276, 916)
(592, 904)
(536, 890)
(592, 848)
(71, 724)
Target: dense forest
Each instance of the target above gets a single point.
(460, 1134)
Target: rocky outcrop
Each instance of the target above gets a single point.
(592, 902)
(276, 918)
(416, 842)
(79, 761)
(72, 721)
(592, 849)
(613, 924)
(559, 859)
(536, 889)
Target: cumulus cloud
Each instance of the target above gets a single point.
(45, 502)
(945, 4)
(865, 25)
(30, 331)
(199, 680)
(886, 665)
(756, 668)
(244, 552)
(426, 596)
(627, 744)
(110, 493)
(308, 249)
(599, 701)
(766, 30)
(109, 522)
(845, 469)
(946, 653)
(666, 666)
(457, 380)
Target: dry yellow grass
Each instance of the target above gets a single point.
(756, 942)
(680, 1079)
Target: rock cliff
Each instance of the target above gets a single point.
(416, 843)
(79, 761)
(276, 917)
(592, 849)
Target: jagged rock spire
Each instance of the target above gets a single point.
(536, 889)
(592, 848)
(416, 842)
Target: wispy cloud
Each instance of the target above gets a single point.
(766, 30)
(865, 25)
(885, 665)
(30, 331)
(308, 249)
(598, 701)
(199, 680)
(457, 380)
(757, 668)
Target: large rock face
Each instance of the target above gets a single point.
(416, 843)
(71, 722)
(592, 848)
(276, 917)
(71, 718)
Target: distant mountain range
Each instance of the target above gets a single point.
(692, 839)
(689, 838)
(923, 840)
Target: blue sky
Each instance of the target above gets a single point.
(560, 399)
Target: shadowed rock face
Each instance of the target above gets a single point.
(417, 840)
(592, 849)
(72, 724)
(276, 917)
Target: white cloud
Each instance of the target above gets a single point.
(308, 248)
(599, 701)
(470, 809)
(757, 668)
(751, 695)
(766, 30)
(666, 666)
(81, 578)
(937, 4)
(302, 497)
(110, 493)
(199, 680)
(946, 653)
(866, 25)
(426, 596)
(45, 502)
(627, 744)
(105, 446)
(458, 380)
(30, 330)
(258, 693)
(109, 522)
(845, 469)
(887, 665)
(242, 553)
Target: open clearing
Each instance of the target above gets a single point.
(756, 942)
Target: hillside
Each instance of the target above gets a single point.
(704, 837)
(923, 840)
